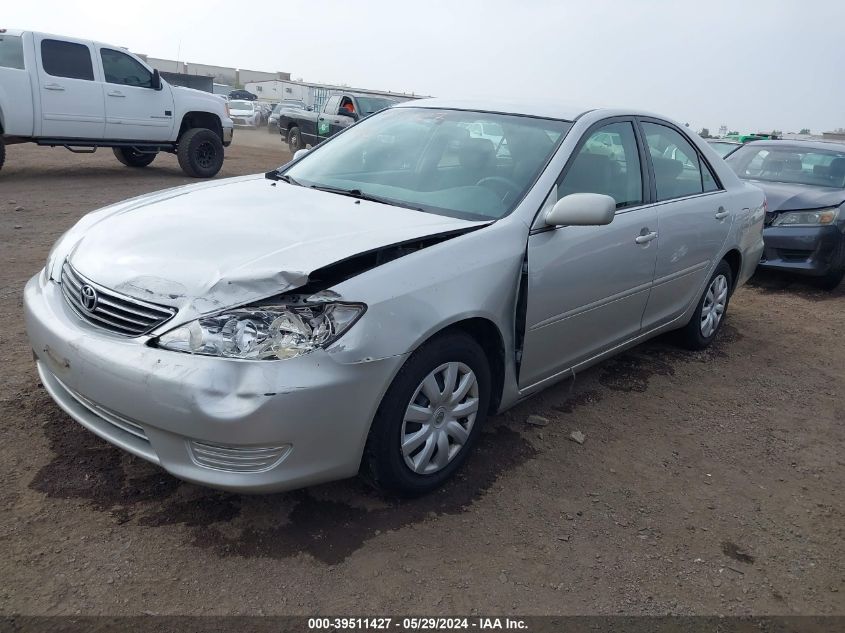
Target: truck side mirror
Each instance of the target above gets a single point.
(351, 115)
(156, 83)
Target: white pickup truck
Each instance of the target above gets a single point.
(81, 95)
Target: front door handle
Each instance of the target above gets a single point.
(53, 87)
(116, 93)
(645, 238)
(721, 213)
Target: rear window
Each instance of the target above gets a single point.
(11, 52)
(790, 163)
(67, 59)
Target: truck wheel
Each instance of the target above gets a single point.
(2, 152)
(834, 276)
(294, 140)
(200, 153)
(131, 157)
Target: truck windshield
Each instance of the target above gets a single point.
(435, 160)
(371, 104)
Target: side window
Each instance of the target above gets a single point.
(608, 163)
(332, 104)
(120, 68)
(66, 59)
(11, 52)
(677, 171)
(708, 180)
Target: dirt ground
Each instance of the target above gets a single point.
(709, 483)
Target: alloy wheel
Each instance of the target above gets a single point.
(715, 302)
(439, 418)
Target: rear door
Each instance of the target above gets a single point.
(694, 215)
(588, 285)
(134, 110)
(70, 89)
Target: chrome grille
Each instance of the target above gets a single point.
(111, 311)
(239, 459)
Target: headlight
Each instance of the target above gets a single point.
(815, 217)
(268, 332)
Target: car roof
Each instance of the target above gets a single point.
(799, 143)
(724, 140)
(548, 109)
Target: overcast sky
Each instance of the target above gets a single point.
(748, 64)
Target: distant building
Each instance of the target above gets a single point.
(219, 74)
(312, 94)
(833, 136)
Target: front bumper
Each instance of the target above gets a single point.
(802, 250)
(245, 426)
(228, 133)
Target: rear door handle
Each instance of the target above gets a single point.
(53, 87)
(116, 93)
(721, 213)
(645, 238)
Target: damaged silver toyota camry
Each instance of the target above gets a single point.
(367, 306)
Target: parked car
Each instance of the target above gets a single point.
(243, 95)
(64, 92)
(368, 305)
(302, 128)
(723, 147)
(287, 104)
(245, 113)
(805, 188)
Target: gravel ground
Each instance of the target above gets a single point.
(708, 483)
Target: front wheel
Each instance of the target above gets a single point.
(833, 277)
(200, 153)
(430, 417)
(710, 312)
(132, 157)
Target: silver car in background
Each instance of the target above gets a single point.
(367, 306)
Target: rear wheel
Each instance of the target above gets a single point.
(294, 140)
(710, 312)
(132, 157)
(430, 417)
(200, 153)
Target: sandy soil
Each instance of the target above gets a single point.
(709, 483)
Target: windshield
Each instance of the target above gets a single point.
(372, 104)
(240, 105)
(430, 160)
(790, 163)
(723, 149)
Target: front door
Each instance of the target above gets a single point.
(71, 93)
(327, 118)
(588, 285)
(694, 216)
(134, 110)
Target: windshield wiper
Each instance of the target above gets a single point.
(275, 175)
(360, 195)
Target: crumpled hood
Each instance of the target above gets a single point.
(792, 197)
(226, 243)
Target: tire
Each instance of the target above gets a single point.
(696, 335)
(131, 157)
(385, 464)
(832, 279)
(200, 153)
(294, 140)
(2, 152)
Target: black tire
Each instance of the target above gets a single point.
(2, 152)
(200, 153)
(832, 279)
(294, 140)
(691, 336)
(131, 157)
(383, 465)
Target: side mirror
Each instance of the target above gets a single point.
(351, 115)
(156, 80)
(300, 153)
(582, 209)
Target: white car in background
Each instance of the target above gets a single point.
(245, 113)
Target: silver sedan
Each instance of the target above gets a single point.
(367, 306)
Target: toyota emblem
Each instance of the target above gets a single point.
(88, 297)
